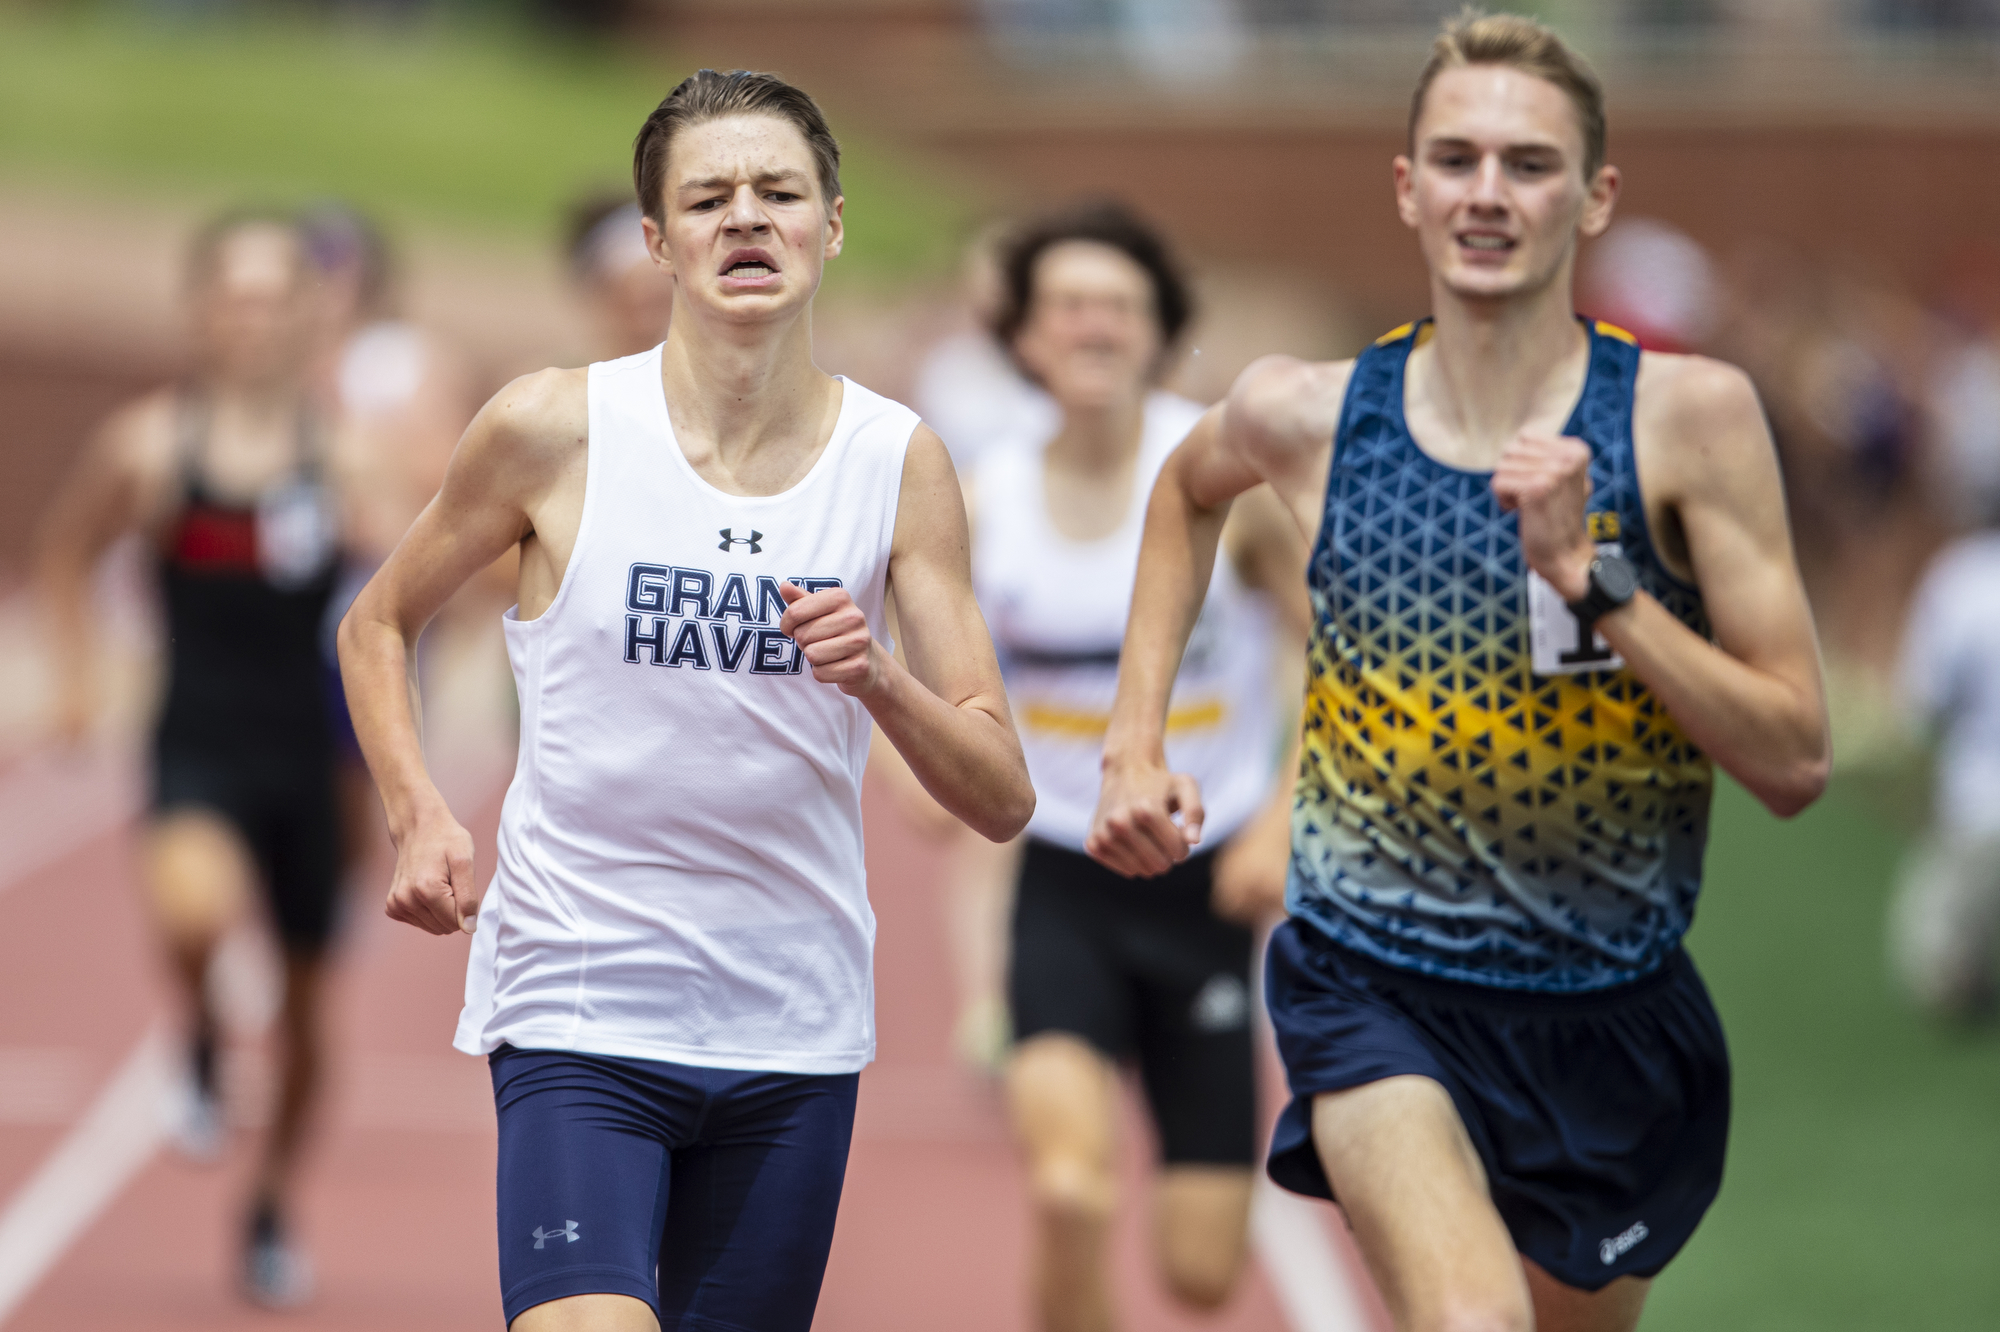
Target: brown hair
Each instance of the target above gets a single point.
(1104, 222)
(1533, 48)
(706, 95)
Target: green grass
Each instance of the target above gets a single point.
(467, 124)
(1863, 1191)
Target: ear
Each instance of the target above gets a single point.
(656, 244)
(1406, 203)
(1599, 202)
(836, 232)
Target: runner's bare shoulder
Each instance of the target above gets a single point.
(529, 437)
(1696, 417)
(1282, 405)
(135, 452)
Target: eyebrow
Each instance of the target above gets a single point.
(1459, 141)
(771, 177)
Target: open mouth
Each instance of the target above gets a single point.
(1485, 241)
(750, 267)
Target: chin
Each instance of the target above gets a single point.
(1487, 284)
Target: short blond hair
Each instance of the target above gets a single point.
(1533, 48)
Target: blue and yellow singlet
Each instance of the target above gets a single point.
(1457, 814)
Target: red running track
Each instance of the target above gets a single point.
(397, 1207)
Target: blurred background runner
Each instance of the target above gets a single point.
(228, 475)
(627, 300)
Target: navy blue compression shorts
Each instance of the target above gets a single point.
(708, 1193)
(1601, 1118)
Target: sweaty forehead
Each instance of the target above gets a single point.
(742, 147)
(1499, 106)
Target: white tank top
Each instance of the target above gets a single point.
(680, 872)
(1057, 610)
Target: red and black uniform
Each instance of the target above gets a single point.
(248, 726)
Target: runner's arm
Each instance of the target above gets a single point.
(1134, 831)
(110, 493)
(1276, 427)
(1269, 555)
(514, 452)
(1752, 700)
(946, 712)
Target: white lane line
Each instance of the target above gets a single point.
(1310, 1279)
(112, 1142)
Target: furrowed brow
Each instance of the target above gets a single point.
(774, 176)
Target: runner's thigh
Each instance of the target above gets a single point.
(1406, 1174)
(583, 1167)
(751, 1209)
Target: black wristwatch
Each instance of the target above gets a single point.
(1613, 582)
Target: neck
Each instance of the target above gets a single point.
(1099, 439)
(252, 400)
(737, 385)
(1497, 367)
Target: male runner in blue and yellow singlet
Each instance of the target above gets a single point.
(1552, 584)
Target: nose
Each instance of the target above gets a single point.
(1488, 186)
(746, 213)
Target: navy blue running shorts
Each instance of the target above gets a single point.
(708, 1193)
(1601, 1118)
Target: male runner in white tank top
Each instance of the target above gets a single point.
(672, 968)
(1105, 972)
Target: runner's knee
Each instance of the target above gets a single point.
(1482, 1312)
(1070, 1191)
(1204, 1283)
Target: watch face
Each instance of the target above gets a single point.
(1616, 576)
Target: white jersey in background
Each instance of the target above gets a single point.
(680, 861)
(1057, 610)
(1951, 678)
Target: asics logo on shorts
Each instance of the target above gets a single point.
(751, 541)
(1619, 1245)
(568, 1232)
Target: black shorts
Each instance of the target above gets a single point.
(1145, 969)
(1601, 1118)
(286, 807)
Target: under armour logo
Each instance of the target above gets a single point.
(729, 539)
(568, 1232)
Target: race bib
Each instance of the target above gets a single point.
(296, 535)
(1557, 640)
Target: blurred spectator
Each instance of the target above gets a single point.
(399, 396)
(1945, 919)
(1172, 41)
(968, 389)
(629, 299)
(1964, 388)
(1840, 357)
(1652, 280)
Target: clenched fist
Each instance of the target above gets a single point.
(1546, 480)
(1135, 831)
(833, 635)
